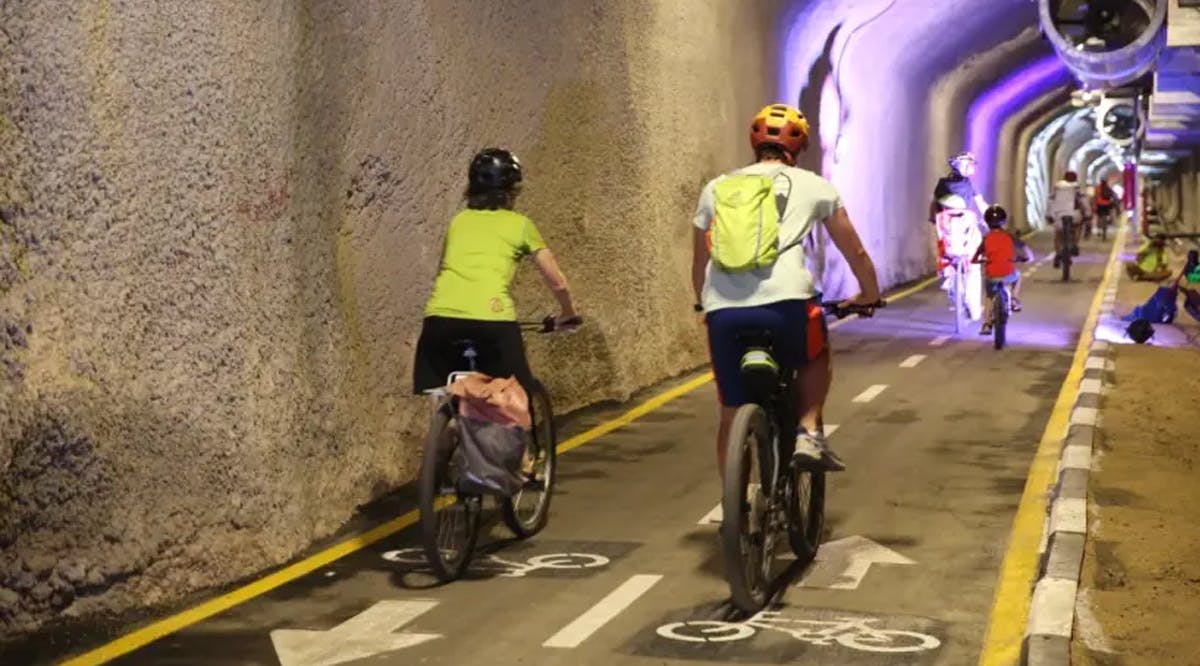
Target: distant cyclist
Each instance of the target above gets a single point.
(1105, 201)
(958, 182)
(998, 251)
(1065, 205)
(958, 236)
(471, 298)
(772, 291)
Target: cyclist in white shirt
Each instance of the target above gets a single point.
(1065, 206)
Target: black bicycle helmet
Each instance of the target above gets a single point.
(995, 216)
(493, 169)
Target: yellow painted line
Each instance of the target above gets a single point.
(1014, 590)
(150, 633)
(132, 641)
(635, 413)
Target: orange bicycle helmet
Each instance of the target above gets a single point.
(780, 125)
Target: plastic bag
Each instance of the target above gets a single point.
(494, 419)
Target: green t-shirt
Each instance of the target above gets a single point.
(479, 261)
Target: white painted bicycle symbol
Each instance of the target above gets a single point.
(508, 568)
(854, 633)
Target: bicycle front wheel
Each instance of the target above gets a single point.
(527, 512)
(449, 519)
(805, 497)
(744, 538)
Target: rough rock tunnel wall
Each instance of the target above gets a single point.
(219, 221)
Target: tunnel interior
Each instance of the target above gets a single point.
(218, 224)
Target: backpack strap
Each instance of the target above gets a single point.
(781, 201)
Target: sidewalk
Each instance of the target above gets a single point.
(1139, 596)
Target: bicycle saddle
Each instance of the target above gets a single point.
(756, 337)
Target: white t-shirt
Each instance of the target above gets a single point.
(812, 198)
(1062, 200)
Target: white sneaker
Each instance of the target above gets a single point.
(813, 451)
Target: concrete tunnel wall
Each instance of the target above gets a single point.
(220, 223)
(909, 71)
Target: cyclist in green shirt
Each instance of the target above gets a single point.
(471, 297)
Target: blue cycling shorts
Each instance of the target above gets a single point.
(800, 335)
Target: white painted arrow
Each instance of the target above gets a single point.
(842, 564)
(366, 634)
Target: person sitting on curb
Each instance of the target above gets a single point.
(1150, 262)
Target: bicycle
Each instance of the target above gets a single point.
(1103, 220)
(960, 292)
(1000, 302)
(1069, 247)
(763, 492)
(449, 512)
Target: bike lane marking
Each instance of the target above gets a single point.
(843, 564)
(369, 633)
(1014, 588)
(871, 393)
(605, 610)
(792, 635)
(149, 633)
(913, 361)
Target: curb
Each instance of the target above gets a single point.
(1052, 612)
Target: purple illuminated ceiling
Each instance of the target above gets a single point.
(990, 110)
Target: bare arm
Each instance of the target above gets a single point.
(846, 240)
(555, 280)
(699, 261)
(978, 253)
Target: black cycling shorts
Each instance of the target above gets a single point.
(498, 344)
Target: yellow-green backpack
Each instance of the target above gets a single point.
(744, 234)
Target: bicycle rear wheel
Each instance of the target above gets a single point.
(959, 300)
(747, 547)
(1000, 310)
(527, 512)
(449, 518)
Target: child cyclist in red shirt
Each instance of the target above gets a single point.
(998, 251)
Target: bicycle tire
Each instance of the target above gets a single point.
(1066, 267)
(805, 527)
(741, 540)
(1000, 312)
(543, 444)
(448, 564)
(959, 300)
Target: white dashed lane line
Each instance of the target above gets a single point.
(912, 361)
(871, 393)
(939, 341)
(605, 610)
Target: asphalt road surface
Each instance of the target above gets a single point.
(938, 432)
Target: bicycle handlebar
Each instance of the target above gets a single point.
(550, 324)
(841, 311)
